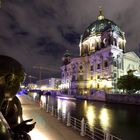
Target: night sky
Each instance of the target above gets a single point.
(38, 32)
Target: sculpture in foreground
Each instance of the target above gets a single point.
(11, 76)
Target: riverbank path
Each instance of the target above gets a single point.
(47, 127)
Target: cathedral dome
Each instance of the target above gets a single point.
(101, 25)
(101, 34)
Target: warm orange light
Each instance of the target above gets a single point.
(104, 118)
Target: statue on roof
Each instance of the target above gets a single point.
(108, 39)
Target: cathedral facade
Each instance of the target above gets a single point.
(101, 62)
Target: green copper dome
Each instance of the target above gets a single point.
(101, 25)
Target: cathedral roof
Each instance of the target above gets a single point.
(101, 25)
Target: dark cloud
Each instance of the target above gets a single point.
(46, 46)
(69, 34)
(38, 32)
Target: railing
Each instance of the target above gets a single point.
(80, 125)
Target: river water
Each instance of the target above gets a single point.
(120, 120)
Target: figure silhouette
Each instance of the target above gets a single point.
(11, 76)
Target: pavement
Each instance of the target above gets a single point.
(47, 127)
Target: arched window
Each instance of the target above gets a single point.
(81, 67)
(73, 78)
(114, 64)
(98, 66)
(105, 63)
(91, 68)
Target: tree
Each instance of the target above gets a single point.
(129, 83)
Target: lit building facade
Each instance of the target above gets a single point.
(49, 84)
(101, 61)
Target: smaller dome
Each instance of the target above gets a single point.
(66, 58)
(67, 54)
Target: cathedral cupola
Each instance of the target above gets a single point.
(66, 58)
(99, 34)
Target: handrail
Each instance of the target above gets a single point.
(80, 125)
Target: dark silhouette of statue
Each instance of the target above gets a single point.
(107, 38)
(11, 76)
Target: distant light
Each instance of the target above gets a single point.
(85, 104)
(22, 86)
(43, 88)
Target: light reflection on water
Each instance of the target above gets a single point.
(90, 113)
(115, 118)
(65, 106)
(104, 119)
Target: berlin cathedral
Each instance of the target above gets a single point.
(102, 60)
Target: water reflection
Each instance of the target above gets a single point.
(104, 118)
(116, 119)
(94, 116)
(91, 116)
(65, 106)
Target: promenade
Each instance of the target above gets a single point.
(47, 126)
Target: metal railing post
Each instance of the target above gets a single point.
(55, 113)
(47, 109)
(92, 133)
(82, 127)
(74, 123)
(52, 111)
(107, 136)
(58, 115)
(68, 119)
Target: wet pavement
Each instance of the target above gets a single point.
(47, 126)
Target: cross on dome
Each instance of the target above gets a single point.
(101, 16)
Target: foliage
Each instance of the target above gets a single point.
(129, 83)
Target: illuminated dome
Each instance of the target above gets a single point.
(101, 34)
(101, 25)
